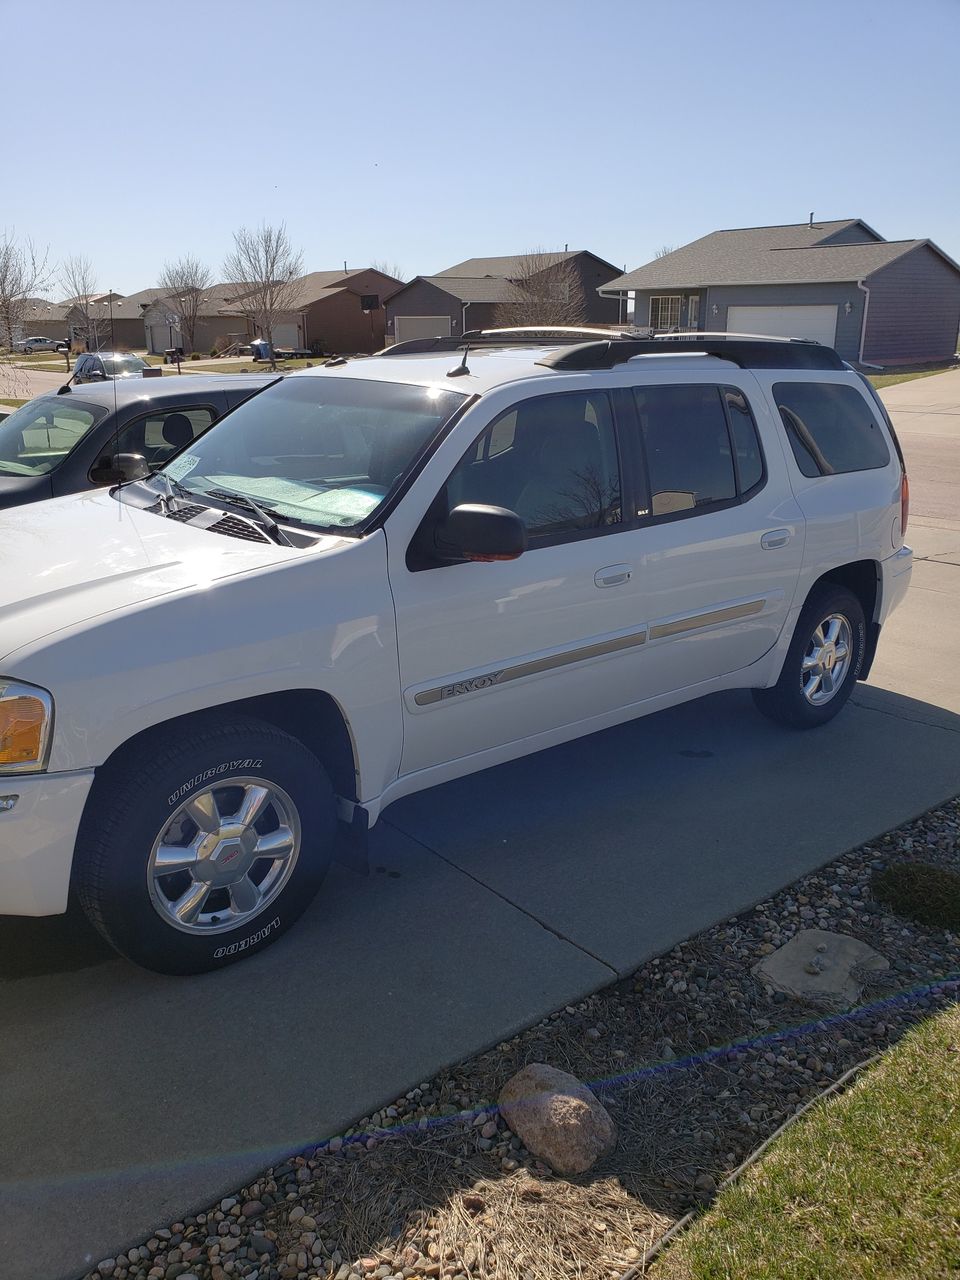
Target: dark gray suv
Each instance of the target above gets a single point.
(73, 440)
(101, 366)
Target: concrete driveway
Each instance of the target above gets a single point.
(130, 1099)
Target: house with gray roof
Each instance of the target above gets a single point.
(880, 302)
(468, 294)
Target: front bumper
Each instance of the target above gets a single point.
(37, 838)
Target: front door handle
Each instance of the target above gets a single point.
(613, 575)
(775, 538)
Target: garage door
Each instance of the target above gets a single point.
(286, 335)
(818, 323)
(407, 327)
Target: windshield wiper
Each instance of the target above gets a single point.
(265, 517)
(174, 488)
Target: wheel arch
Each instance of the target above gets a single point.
(312, 716)
(863, 578)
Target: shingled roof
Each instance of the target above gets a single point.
(509, 267)
(794, 254)
(476, 289)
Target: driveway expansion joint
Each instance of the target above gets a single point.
(549, 928)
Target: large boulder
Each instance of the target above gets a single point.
(557, 1118)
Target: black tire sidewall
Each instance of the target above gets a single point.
(143, 794)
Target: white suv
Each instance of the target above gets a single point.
(396, 570)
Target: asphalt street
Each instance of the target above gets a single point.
(131, 1099)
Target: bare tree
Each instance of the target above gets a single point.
(23, 274)
(392, 269)
(79, 283)
(549, 292)
(664, 250)
(183, 282)
(264, 270)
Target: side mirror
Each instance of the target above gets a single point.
(95, 375)
(476, 532)
(123, 468)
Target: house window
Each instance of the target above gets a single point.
(693, 311)
(665, 311)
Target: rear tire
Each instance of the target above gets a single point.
(823, 662)
(204, 843)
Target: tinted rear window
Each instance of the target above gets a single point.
(687, 448)
(832, 428)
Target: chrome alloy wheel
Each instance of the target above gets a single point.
(827, 659)
(224, 855)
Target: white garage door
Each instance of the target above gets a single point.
(406, 328)
(286, 335)
(162, 336)
(818, 323)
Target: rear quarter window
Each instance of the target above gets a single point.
(832, 428)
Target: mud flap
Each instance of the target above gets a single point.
(351, 841)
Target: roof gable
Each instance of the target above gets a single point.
(467, 288)
(514, 265)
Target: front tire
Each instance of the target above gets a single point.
(204, 844)
(823, 662)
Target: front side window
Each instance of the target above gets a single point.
(39, 435)
(831, 428)
(665, 311)
(552, 460)
(323, 452)
(159, 435)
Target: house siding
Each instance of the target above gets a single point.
(794, 295)
(339, 325)
(914, 311)
(593, 275)
(857, 234)
(424, 299)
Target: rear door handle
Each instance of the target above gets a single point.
(775, 538)
(613, 575)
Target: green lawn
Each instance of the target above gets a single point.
(38, 358)
(247, 366)
(7, 403)
(891, 379)
(865, 1187)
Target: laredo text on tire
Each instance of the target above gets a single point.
(823, 662)
(204, 842)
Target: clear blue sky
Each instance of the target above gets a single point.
(425, 132)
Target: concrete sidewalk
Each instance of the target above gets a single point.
(132, 1099)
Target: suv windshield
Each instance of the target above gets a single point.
(120, 366)
(319, 451)
(39, 435)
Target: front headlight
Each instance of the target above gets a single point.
(26, 721)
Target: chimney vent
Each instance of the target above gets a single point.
(811, 219)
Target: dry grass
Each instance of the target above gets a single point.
(416, 1197)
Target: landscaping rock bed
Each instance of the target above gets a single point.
(695, 1058)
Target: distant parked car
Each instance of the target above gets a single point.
(71, 441)
(39, 343)
(103, 366)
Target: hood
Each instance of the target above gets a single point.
(68, 560)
